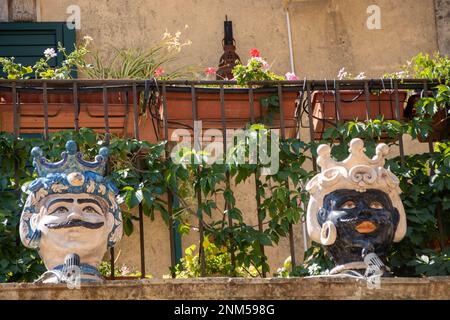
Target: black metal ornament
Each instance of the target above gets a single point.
(229, 58)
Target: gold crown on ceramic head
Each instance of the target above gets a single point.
(356, 172)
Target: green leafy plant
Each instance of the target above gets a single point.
(42, 70)
(16, 262)
(15, 70)
(425, 182)
(256, 69)
(122, 271)
(432, 263)
(144, 176)
(424, 66)
(218, 263)
(138, 63)
(315, 262)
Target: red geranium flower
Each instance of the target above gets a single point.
(211, 71)
(159, 72)
(254, 53)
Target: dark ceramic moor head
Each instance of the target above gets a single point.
(355, 207)
(365, 222)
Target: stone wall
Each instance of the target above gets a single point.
(238, 288)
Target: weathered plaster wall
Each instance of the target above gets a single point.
(443, 25)
(327, 34)
(238, 288)
(126, 23)
(331, 34)
(3, 10)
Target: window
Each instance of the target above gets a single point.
(27, 41)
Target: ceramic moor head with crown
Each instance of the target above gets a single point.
(355, 206)
(71, 209)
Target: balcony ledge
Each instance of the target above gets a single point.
(237, 289)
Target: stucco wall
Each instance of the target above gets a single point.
(331, 34)
(327, 35)
(443, 25)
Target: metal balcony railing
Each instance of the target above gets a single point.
(117, 106)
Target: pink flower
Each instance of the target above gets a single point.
(291, 76)
(124, 270)
(210, 71)
(159, 72)
(264, 63)
(254, 53)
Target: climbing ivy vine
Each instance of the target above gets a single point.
(144, 176)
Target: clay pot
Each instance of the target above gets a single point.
(352, 107)
(61, 113)
(440, 121)
(237, 110)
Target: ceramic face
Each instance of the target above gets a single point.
(72, 223)
(355, 210)
(365, 222)
(71, 211)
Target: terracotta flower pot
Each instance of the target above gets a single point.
(440, 121)
(352, 107)
(61, 113)
(237, 110)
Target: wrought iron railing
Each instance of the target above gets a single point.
(138, 97)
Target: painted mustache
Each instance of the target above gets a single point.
(75, 223)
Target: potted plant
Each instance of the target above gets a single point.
(352, 105)
(435, 104)
(440, 119)
(238, 112)
(125, 64)
(60, 103)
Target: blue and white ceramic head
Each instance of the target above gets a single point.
(71, 209)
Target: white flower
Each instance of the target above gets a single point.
(124, 270)
(360, 76)
(166, 35)
(314, 269)
(50, 53)
(401, 74)
(342, 74)
(88, 38)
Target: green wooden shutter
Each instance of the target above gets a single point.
(27, 41)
